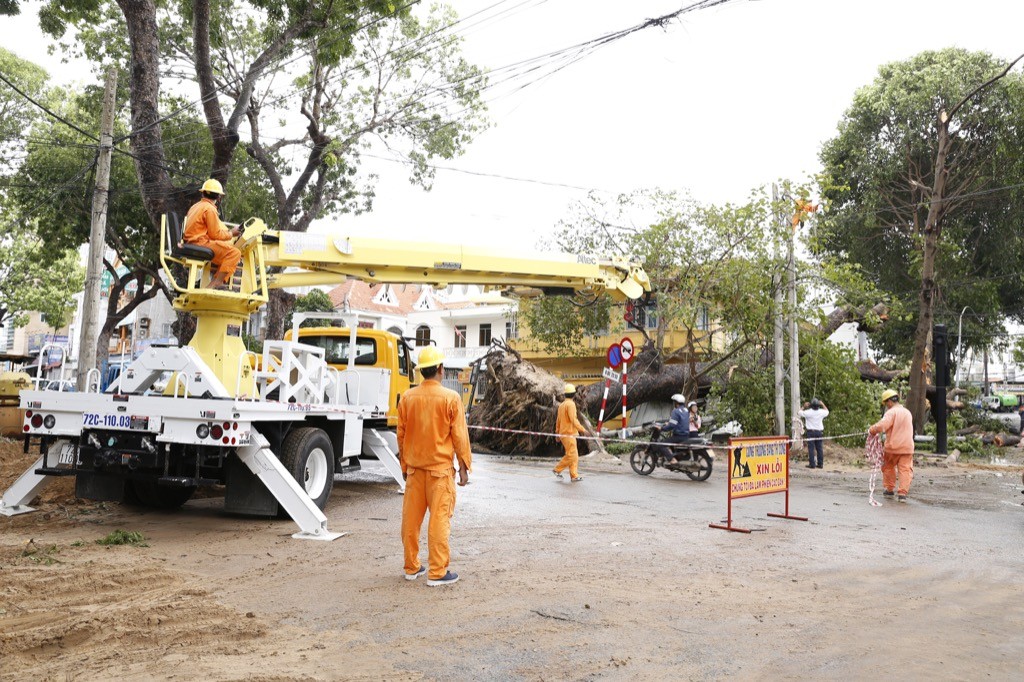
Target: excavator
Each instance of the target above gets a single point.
(273, 428)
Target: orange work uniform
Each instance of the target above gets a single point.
(432, 432)
(203, 228)
(898, 425)
(567, 425)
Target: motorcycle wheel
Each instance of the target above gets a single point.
(703, 472)
(641, 460)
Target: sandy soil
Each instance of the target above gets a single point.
(615, 578)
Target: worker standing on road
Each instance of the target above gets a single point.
(814, 414)
(204, 228)
(567, 425)
(432, 436)
(898, 426)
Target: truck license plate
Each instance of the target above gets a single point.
(115, 421)
(67, 453)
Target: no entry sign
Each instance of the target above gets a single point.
(626, 346)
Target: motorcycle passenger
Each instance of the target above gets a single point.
(679, 426)
(695, 420)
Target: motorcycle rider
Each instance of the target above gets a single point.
(679, 423)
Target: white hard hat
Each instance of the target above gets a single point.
(692, 403)
(679, 398)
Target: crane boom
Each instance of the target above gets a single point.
(323, 259)
(273, 259)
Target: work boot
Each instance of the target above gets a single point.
(448, 579)
(901, 498)
(558, 474)
(888, 493)
(578, 478)
(417, 574)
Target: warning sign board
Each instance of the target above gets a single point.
(758, 466)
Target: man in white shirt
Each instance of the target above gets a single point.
(814, 414)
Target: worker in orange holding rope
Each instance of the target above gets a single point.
(567, 425)
(204, 228)
(432, 434)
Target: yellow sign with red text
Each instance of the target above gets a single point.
(758, 466)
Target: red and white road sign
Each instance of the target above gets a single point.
(626, 348)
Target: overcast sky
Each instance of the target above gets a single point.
(716, 103)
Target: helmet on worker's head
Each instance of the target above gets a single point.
(679, 399)
(692, 403)
(213, 187)
(890, 394)
(815, 403)
(429, 356)
(570, 389)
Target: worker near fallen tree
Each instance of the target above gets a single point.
(567, 425)
(204, 228)
(898, 455)
(432, 437)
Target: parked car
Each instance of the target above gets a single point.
(57, 385)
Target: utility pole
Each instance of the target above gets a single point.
(777, 333)
(97, 239)
(794, 344)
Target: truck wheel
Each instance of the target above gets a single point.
(703, 471)
(641, 460)
(308, 455)
(152, 494)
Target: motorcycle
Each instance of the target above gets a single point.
(693, 456)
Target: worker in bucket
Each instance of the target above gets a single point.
(898, 454)
(567, 425)
(204, 228)
(432, 439)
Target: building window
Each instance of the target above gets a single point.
(646, 317)
(460, 336)
(703, 323)
(485, 334)
(512, 327)
(423, 335)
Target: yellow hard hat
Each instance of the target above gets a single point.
(889, 394)
(213, 186)
(429, 356)
(569, 389)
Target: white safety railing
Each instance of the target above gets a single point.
(178, 381)
(39, 368)
(90, 382)
(296, 371)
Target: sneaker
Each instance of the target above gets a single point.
(448, 579)
(888, 493)
(558, 474)
(578, 478)
(901, 498)
(417, 574)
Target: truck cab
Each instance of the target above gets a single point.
(375, 348)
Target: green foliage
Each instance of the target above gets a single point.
(41, 555)
(561, 323)
(829, 372)
(124, 537)
(877, 188)
(701, 260)
(315, 301)
(16, 113)
(33, 279)
(748, 398)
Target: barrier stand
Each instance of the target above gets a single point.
(770, 474)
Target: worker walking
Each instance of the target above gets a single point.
(204, 228)
(567, 425)
(898, 454)
(432, 437)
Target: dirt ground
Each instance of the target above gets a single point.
(615, 578)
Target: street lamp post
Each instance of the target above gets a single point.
(960, 345)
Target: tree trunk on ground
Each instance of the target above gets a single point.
(845, 313)
(1005, 440)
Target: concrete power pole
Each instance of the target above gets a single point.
(777, 333)
(794, 346)
(97, 240)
